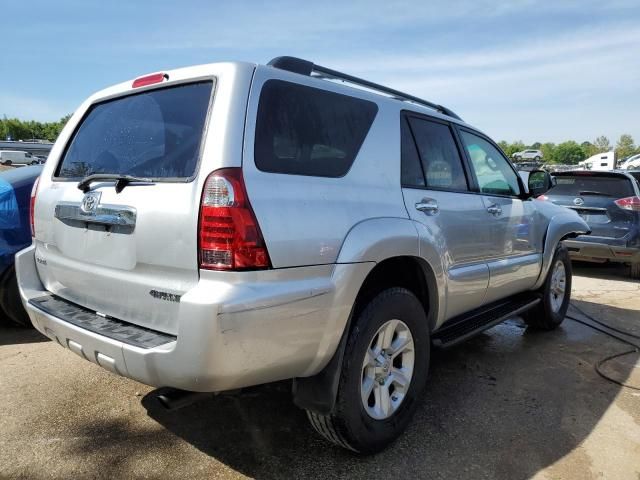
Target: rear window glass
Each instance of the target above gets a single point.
(154, 134)
(307, 131)
(578, 185)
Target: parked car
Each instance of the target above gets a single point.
(610, 203)
(528, 155)
(15, 234)
(287, 227)
(14, 157)
(630, 163)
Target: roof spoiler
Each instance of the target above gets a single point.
(305, 67)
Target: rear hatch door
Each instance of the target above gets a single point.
(592, 195)
(127, 249)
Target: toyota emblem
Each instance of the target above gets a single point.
(578, 201)
(90, 203)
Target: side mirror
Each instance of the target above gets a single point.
(539, 182)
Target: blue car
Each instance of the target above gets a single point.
(15, 234)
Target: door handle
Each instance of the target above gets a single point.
(428, 206)
(494, 209)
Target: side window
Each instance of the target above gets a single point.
(302, 130)
(411, 171)
(495, 176)
(439, 155)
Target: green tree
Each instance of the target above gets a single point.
(601, 144)
(26, 130)
(536, 145)
(588, 148)
(625, 146)
(548, 152)
(569, 153)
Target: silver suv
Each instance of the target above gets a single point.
(232, 224)
(528, 155)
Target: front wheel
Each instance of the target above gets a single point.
(383, 374)
(556, 294)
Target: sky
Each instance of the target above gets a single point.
(519, 70)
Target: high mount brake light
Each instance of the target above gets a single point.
(629, 203)
(149, 80)
(32, 206)
(229, 236)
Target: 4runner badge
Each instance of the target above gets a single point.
(90, 202)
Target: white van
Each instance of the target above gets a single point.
(16, 157)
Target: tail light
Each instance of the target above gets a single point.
(542, 197)
(229, 235)
(629, 203)
(32, 206)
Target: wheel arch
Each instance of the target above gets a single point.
(318, 392)
(561, 226)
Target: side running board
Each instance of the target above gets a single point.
(465, 326)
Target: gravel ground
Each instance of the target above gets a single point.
(509, 404)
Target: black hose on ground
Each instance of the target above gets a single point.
(636, 348)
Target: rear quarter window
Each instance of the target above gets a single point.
(610, 186)
(303, 130)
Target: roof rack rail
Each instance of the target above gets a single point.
(305, 67)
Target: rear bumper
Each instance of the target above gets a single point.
(273, 326)
(580, 250)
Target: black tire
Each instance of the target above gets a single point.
(635, 270)
(544, 316)
(8, 163)
(10, 302)
(349, 425)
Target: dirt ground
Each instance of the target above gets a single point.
(509, 404)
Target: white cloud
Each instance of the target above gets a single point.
(575, 85)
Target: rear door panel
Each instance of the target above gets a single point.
(130, 276)
(136, 274)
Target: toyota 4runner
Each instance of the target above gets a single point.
(232, 224)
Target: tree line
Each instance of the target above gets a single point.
(15, 129)
(571, 152)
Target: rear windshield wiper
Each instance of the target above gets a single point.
(121, 180)
(593, 192)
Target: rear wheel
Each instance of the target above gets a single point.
(556, 294)
(383, 374)
(10, 300)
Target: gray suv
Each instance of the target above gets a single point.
(232, 224)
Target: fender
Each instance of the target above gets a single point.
(561, 225)
(370, 242)
(377, 239)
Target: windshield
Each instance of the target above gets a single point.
(154, 134)
(583, 185)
